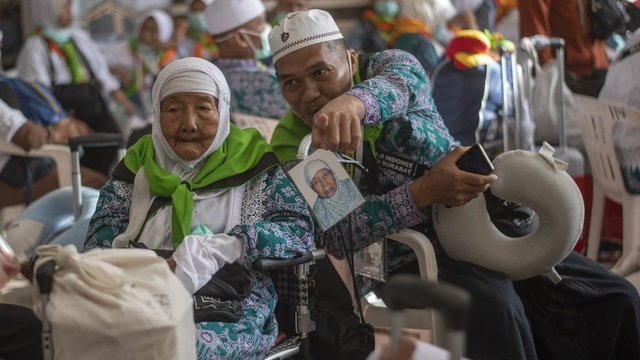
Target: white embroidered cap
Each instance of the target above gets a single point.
(225, 15)
(300, 29)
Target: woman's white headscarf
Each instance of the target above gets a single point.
(188, 75)
(45, 13)
(163, 21)
(185, 75)
(312, 168)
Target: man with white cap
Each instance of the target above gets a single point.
(411, 160)
(240, 31)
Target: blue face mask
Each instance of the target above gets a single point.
(58, 35)
(198, 22)
(265, 51)
(386, 8)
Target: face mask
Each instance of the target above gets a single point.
(387, 9)
(197, 22)
(265, 51)
(58, 35)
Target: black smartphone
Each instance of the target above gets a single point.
(476, 161)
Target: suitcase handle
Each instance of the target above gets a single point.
(542, 41)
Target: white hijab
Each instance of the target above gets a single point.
(45, 13)
(185, 75)
(163, 21)
(190, 74)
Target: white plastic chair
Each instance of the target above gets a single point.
(427, 319)
(376, 313)
(264, 125)
(598, 118)
(60, 155)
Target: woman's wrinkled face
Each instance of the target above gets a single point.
(189, 123)
(324, 183)
(149, 34)
(66, 15)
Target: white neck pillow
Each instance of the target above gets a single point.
(535, 180)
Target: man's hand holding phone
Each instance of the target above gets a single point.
(447, 184)
(475, 160)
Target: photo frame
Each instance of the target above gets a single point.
(326, 187)
(371, 261)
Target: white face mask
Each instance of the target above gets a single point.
(59, 35)
(264, 51)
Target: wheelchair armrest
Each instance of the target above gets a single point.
(421, 245)
(267, 264)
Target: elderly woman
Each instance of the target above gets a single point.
(336, 197)
(196, 173)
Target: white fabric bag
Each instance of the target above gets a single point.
(116, 304)
(543, 94)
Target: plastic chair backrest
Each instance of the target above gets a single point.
(598, 118)
(264, 125)
(60, 155)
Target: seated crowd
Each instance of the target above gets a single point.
(215, 198)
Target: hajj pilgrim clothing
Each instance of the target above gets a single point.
(266, 216)
(74, 61)
(414, 131)
(142, 61)
(371, 33)
(255, 88)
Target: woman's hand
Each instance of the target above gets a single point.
(448, 185)
(67, 128)
(172, 263)
(337, 126)
(31, 136)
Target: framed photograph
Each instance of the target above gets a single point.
(327, 188)
(370, 261)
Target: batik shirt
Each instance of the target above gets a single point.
(255, 89)
(274, 223)
(397, 95)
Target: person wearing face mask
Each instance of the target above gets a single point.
(137, 62)
(192, 38)
(59, 54)
(240, 30)
(283, 7)
(372, 32)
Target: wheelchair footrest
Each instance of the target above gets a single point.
(285, 349)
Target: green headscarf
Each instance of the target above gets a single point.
(241, 151)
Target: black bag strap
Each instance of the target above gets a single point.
(356, 291)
